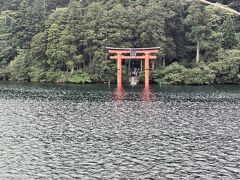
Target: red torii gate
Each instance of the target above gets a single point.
(120, 54)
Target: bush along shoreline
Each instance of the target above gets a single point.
(224, 70)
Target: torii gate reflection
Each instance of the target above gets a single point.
(119, 94)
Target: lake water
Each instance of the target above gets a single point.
(100, 132)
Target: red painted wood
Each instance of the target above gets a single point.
(125, 54)
(133, 57)
(119, 69)
(147, 70)
(128, 51)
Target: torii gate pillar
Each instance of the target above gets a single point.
(147, 69)
(119, 69)
(121, 54)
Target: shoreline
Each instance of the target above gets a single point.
(115, 84)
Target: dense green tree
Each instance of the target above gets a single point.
(19, 67)
(28, 21)
(7, 52)
(229, 33)
(175, 31)
(65, 41)
(9, 4)
(198, 22)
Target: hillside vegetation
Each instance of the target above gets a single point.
(64, 41)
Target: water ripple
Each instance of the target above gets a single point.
(75, 132)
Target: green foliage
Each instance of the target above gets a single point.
(198, 20)
(40, 75)
(227, 68)
(7, 52)
(53, 76)
(204, 24)
(37, 74)
(229, 33)
(200, 75)
(178, 74)
(103, 71)
(65, 41)
(18, 68)
(4, 74)
(28, 21)
(79, 78)
(172, 74)
(167, 75)
(172, 78)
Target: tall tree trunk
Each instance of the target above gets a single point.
(72, 69)
(164, 62)
(129, 67)
(153, 65)
(198, 53)
(44, 9)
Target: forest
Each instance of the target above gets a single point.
(64, 41)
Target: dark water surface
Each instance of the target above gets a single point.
(96, 132)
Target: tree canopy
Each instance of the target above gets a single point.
(64, 41)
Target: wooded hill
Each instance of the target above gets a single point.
(65, 41)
